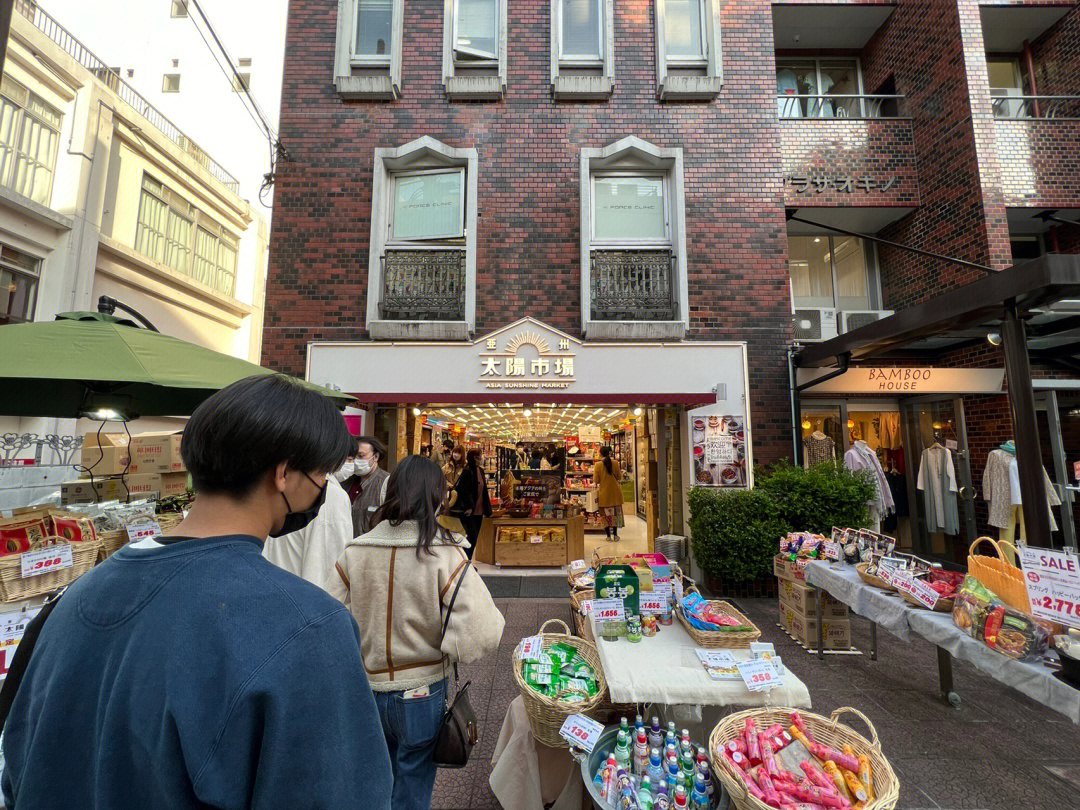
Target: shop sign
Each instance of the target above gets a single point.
(589, 433)
(906, 380)
(506, 363)
(820, 182)
(1053, 584)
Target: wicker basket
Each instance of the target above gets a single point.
(942, 606)
(13, 587)
(581, 624)
(546, 715)
(111, 542)
(999, 575)
(714, 639)
(168, 520)
(829, 731)
(870, 579)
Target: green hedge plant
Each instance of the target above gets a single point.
(818, 498)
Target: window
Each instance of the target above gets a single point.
(175, 64)
(179, 8)
(241, 82)
(630, 209)
(367, 55)
(475, 30)
(245, 63)
(581, 27)
(170, 83)
(173, 233)
(1006, 81)
(1025, 248)
(688, 63)
(830, 271)
(820, 88)
(428, 205)
(474, 49)
(582, 49)
(29, 137)
(19, 274)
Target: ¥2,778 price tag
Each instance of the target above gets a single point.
(759, 675)
(42, 561)
(1053, 584)
(581, 731)
(608, 610)
(531, 648)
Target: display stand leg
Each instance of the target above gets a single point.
(944, 661)
(873, 641)
(820, 627)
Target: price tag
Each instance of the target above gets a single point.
(652, 603)
(759, 675)
(831, 550)
(51, 558)
(143, 530)
(950, 444)
(902, 581)
(662, 589)
(676, 589)
(608, 610)
(531, 648)
(581, 731)
(887, 573)
(536, 538)
(924, 593)
(577, 566)
(719, 664)
(1053, 584)
(586, 606)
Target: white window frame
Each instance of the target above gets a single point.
(23, 112)
(577, 77)
(423, 154)
(665, 179)
(479, 79)
(681, 78)
(634, 157)
(427, 240)
(578, 59)
(165, 82)
(178, 9)
(367, 77)
(476, 57)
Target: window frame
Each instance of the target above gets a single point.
(24, 110)
(360, 78)
(34, 277)
(165, 82)
(476, 58)
(244, 83)
(787, 61)
(583, 60)
(176, 5)
(370, 60)
(870, 263)
(692, 61)
(428, 241)
(608, 243)
(688, 78)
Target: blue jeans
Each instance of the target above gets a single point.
(411, 728)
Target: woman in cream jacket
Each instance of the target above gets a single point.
(398, 580)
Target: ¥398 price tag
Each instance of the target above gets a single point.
(581, 731)
(50, 558)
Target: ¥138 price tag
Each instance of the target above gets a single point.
(50, 558)
(531, 648)
(581, 731)
(759, 675)
(608, 610)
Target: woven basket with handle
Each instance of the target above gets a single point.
(870, 579)
(546, 715)
(14, 587)
(719, 639)
(829, 731)
(999, 575)
(581, 624)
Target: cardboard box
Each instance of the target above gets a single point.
(152, 485)
(803, 600)
(784, 568)
(105, 453)
(837, 632)
(156, 453)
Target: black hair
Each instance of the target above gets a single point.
(520, 444)
(536, 453)
(376, 445)
(448, 443)
(472, 458)
(415, 491)
(248, 428)
(605, 456)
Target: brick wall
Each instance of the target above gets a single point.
(1056, 55)
(528, 145)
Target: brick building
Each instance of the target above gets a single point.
(628, 172)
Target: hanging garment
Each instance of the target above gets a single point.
(937, 480)
(861, 457)
(817, 447)
(890, 430)
(898, 487)
(998, 489)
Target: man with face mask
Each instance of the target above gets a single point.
(367, 486)
(187, 671)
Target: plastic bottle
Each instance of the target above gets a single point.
(645, 795)
(706, 777)
(662, 799)
(681, 802)
(673, 772)
(641, 754)
(702, 757)
(639, 724)
(684, 738)
(655, 770)
(624, 725)
(670, 751)
(688, 767)
(671, 728)
(656, 736)
(699, 799)
(622, 751)
(607, 778)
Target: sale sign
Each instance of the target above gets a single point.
(50, 558)
(759, 675)
(1053, 584)
(581, 731)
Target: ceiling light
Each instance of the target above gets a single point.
(526, 413)
(416, 411)
(806, 424)
(817, 240)
(850, 423)
(637, 411)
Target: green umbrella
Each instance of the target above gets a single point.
(88, 362)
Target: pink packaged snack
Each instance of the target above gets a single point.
(751, 785)
(806, 792)
(768, 761)
(772, 798)
(824, 753)
(800, 724)
(753, 746)
(817, 776)
(737, 744)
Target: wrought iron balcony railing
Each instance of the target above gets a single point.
(794, 105)
(423, 284)
(1036, 106)
(633, 285)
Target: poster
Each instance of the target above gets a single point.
(719, 446)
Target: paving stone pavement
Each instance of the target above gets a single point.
(998, 751)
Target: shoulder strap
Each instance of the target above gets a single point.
(19, 663)
(453, 597)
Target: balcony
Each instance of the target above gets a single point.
(792, 105)
(1011, 107)
(423, 285)
(633, 285)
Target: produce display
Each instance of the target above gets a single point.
(787, 768)
(982, 615)
(650, 768)
(562, 674)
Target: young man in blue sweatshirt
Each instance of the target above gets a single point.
(188, 671)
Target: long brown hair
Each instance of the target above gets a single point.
(415, 491)
(458, 448)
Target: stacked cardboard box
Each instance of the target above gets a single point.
(120, 488)
(798, 608)
(148, 466)
(156, 453)
(105, 453)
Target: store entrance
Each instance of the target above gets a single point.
(941, 495)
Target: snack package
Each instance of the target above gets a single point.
(16, 536)
(702, 617)
(73, 529)
(981, 614)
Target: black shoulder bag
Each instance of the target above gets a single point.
(22, 655)
(460, 731)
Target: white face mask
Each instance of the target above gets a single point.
(346, 472)
(363, 466)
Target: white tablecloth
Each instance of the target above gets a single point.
(664, 669)
(527, 775)
(885, 608)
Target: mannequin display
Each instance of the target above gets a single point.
(937, 481)
(817, 447)
(787, 84)
(862, 457)
(1001, 489)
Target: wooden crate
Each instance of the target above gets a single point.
(547, 554)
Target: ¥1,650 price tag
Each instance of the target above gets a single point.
(652, 603)
(608, 610)
(581, 731)
(531, 648)
(50, 558)
(759, 675)
(924, 593)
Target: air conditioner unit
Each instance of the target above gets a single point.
(853, 319)
(815, 324)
